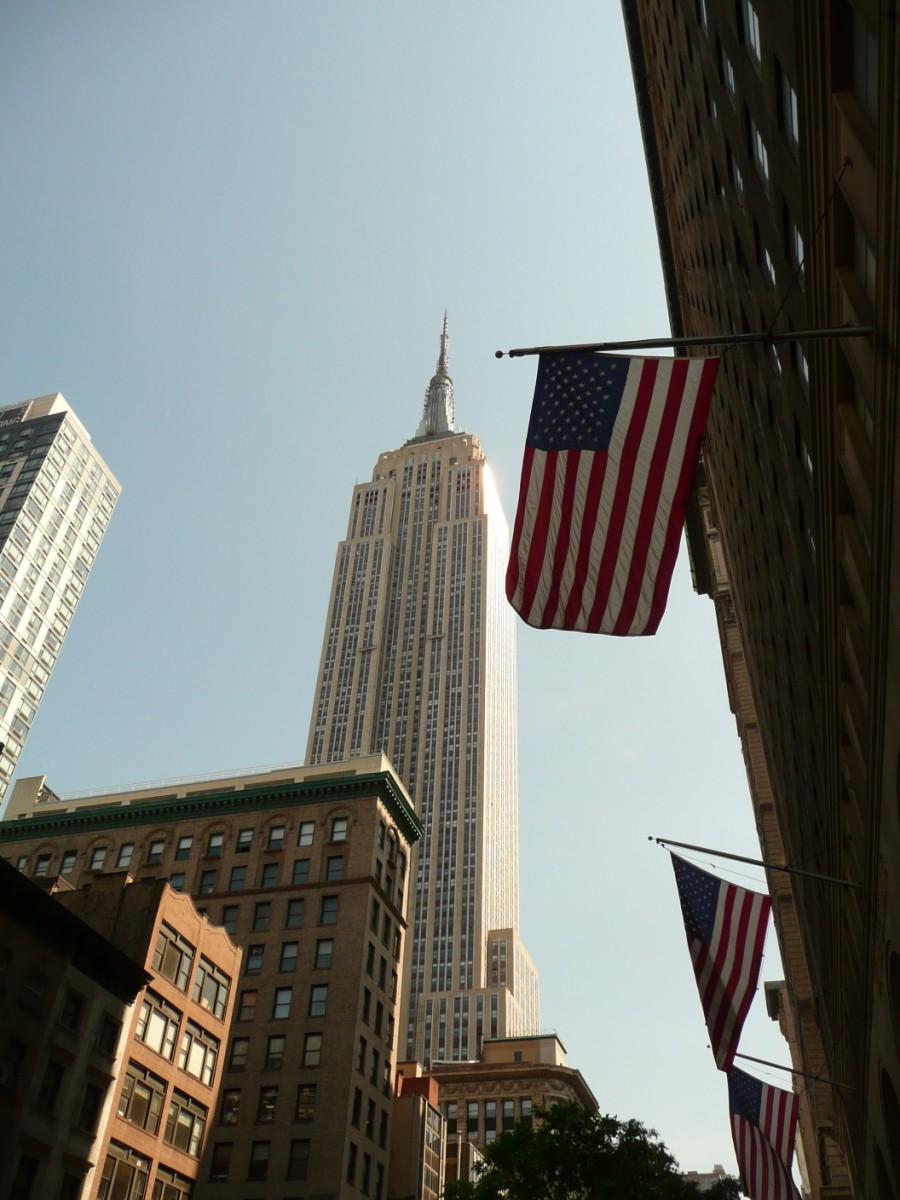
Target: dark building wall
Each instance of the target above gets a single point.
(800, 457)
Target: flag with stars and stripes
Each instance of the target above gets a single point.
(611, 451)
(726, 928)
(763, 1126)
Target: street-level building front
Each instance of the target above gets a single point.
(306, 869)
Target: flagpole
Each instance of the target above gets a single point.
(730, 339)
(806, 1075)
(757, 862)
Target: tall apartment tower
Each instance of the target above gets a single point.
(419, 662)
(56, 497)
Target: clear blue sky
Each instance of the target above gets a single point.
(230, 231)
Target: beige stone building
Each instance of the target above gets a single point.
(511, 1078)
(418, 661)
(307, 869)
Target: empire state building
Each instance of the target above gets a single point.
(419, 661)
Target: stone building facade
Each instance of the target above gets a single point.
(307, 869)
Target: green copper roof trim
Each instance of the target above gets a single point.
(286, 794)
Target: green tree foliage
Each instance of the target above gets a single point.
(571, 1154)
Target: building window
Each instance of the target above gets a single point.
(383, 1129)
(262, 915)
(173, 957)
(258, 1167)
(366, 1174)
(185, 1124)
(306, 1102)
(215, 845)
(288, 959)
(240, 1047)
(72, 1008)
(324, 953)
(183, 847)
(231, 1103)
(269, 877)
(108, 1031)
(318, 999)
(335, 867)
(790, 114)
(207, 884)
(42, 865)
(237, 879)
(244, 841)
(760, 153)
(220, 1163)
(157, 1026)
(865, 67)
(255, 955)
(351, 1164)
(339, 827)
(306, 833)
(98, 858)
(702, 15)
(751, 33)
(769, 266)
(312, 1049)
(155, 852)
(265, 1107)
(298, 1160)
(301, 871)
(490, 1121)
(67, 866)
(373, 1073)
(230, 917)
(124, 1175)
(170, 1185)
(247, 1006)
(525, 1113)
(472, 1118)
(275, 1051)
(211, 988)
(864, 261)
(294, 914)
(328, 913)
(356, 1111)
(728, 74)
(51, 1082)
(281, 1004)
(126, 853)
(370, 1120)
(176, 881)
(361, 1052)
(199, 1051)
(276, 837)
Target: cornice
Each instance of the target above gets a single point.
(285, 794)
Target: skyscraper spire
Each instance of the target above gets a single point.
(439, 413)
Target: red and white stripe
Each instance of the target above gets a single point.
(764, 1154)
(596, 532)
(727, 970)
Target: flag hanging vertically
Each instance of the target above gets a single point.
(763, 1126)
(611, 451)
(726, 928)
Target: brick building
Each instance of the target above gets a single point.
(307, 869)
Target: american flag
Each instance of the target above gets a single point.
(763, 1125)
(611, 451)
(726, 928)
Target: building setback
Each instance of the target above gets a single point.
(307, 869)
(56, 497)
(418, 662)
(771, 133)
